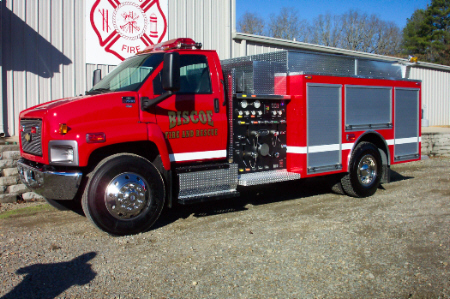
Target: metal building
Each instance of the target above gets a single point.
(44, 46)
(49, 49)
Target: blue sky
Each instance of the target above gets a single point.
(388, 10)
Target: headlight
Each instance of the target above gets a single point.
(63, 152)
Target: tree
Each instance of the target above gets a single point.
(352, 30)
(251, 23)
(427, 33)
(325, 31)
(287, 25)
(358, 32)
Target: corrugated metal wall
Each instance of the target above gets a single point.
(42, 54)
(210, 22)
(435, 94)
(246, 48)
(43, 47)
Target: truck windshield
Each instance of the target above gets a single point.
(129, 75)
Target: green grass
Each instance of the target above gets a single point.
(25, 211)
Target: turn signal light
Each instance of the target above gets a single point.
(95, 137)
(63, 129)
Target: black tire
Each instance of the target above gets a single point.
(335, 184)
(364, 174)
(124, 195)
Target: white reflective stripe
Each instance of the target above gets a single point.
(406, 140)
(347, 146)
(420, 139)
(390, 142)
(296, 149)
(324, 148)
(313, 149)
(197, 155)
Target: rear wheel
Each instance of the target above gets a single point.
(124, 195)
(364, 174)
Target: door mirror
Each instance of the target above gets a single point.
(171, 72)
(96, 77)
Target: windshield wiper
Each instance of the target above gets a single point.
(98, 91)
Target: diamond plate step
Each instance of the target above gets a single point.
(266, 177)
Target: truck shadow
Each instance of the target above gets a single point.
(254, 195)
(50, 280)
(397, 177)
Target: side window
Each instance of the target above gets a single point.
(194, 76)
(157, 84)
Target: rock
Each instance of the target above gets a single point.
(20, 188)
(9, 180)
(10, 172)
(11, 155)
(6, 164)
(31, 196)
(8, 198)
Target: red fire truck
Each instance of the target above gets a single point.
(174, 123)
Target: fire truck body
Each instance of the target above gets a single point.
(176, 124)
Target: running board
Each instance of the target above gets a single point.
(267, 177)
(207, 182)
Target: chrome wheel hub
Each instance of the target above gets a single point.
(127, 196)
(367, 170)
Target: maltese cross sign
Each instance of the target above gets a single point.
(121, 28)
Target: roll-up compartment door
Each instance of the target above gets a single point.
(368, 108)
(324, 127)
(406, 143)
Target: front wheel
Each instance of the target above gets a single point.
(364, 174)
(124, 195)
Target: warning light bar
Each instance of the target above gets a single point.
(179, 43)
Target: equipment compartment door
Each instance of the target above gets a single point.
(324, 127)
(406, 124)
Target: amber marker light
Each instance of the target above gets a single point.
(95, 137)
(63, 129)
(351, 137)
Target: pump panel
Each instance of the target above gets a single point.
(259, 133)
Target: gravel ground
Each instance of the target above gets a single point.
(291, 240)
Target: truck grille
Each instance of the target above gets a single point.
(31, 136)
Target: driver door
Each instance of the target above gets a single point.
(193, 120)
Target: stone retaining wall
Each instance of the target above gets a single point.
(11, 188)
(436, 144)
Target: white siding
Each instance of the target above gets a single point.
(435, 94)
(210, 22)
(42, 47)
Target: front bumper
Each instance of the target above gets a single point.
(50, 184)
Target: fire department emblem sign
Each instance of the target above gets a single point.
(125, 27)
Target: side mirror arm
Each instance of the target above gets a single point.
(146, 103)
